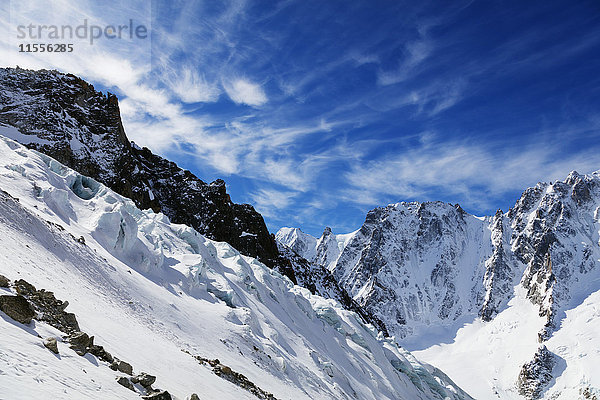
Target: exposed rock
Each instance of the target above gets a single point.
(82, 129)
(124, 367)
(51, 344)
(536, 374)
(80, 342)
(416, 266)
(49, 308)
(4, 282)
(500, 270)
(319, 280)
(17, 307)
(194, 396)
(224, 369)
(161, 395)
(101, 353)
(123, 381)
(144, 379)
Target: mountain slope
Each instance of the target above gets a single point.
(148, 289)
(67, 119)
(427, 269)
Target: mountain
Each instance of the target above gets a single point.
(66, 118)
(441, 280)
(101, 299)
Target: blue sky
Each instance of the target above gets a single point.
(317, 111)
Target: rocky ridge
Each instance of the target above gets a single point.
(418, 265)
(66, 118)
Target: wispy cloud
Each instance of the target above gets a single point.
(242, 91)
(188, 85)
(269, 201)
(320, 114)
(475, 174)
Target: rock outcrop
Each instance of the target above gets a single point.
(536, 374)
(17, 307)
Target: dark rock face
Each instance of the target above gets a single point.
(17, 307)
(82, 129)
(160, 395)
(4, 282)
(536, 374)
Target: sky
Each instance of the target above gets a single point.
(317, 111)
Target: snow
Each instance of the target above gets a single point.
(148, 289)
(418, 259)
(28, 369)
(13, 133)
(487, 357)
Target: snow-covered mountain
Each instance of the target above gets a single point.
(500, 287)
(195, 314)
(66, 118)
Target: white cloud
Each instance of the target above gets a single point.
(267, 201)
(242, 91)
(474, 174)
(191, 87)
(416, 52)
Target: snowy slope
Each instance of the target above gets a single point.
(302, 243)
(148, 289)
(484, 298)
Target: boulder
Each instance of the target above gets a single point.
(80, 342)
(194, 396)
(124, 367)
(144, 379)
(51, 344)
(225, 369)
(160, 395)
(123, 381)
(24, 288)
(17, 307)
(101, 353)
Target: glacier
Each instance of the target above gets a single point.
(155, 294)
